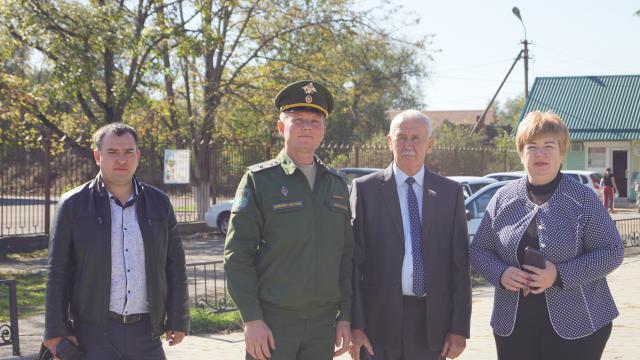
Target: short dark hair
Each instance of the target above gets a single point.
(114, 128)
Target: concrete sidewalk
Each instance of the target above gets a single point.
(623, 344)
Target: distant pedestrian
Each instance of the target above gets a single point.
(609, 188)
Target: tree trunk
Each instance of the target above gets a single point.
(202, 182)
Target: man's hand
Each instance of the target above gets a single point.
(52, 343)
(258, 339)
(514, 279)
(174, 337)
(343, 337)
(358, 340)
(542, 279)
(453, 346)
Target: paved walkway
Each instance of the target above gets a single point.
(623, 344)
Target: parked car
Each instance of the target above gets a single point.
(504, 176)
(476, 205)
(471, 184)
(590, 179)
(217, 217)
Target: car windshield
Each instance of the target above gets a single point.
(476, 187)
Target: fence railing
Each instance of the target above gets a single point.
(9, 333)
(208, 286)
(629, 230)
(34, 177)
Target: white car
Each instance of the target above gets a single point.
(471, 184)
(504, 176)
(590, 179)
(477, 203)
(217, 217)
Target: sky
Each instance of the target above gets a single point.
(477, 41)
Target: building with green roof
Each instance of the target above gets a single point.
(603, 117)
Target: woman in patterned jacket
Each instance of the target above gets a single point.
(564, 310)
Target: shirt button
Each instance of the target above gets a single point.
(125, 228)
(128, 270)
(126, 249)
(129, 291)
(540, 227)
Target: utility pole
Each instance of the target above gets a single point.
(523, 54)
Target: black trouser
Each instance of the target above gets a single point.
(120, 341)
(414, 334)
(534, 338)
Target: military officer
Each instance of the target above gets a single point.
(289, 245)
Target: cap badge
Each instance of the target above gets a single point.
(309, 89)
(308, 99)
(284, 190)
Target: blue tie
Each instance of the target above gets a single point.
(416, 240)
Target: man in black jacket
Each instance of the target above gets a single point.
(116, 277)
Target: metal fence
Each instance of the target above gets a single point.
(37, 172)
(9, 333)
(629, 230)
(208, 286)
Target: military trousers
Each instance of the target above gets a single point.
(307, 334)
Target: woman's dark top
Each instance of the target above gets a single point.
(538, 194)
(608, 179)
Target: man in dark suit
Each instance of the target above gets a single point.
(412, 288)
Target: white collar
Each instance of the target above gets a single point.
(401, 177)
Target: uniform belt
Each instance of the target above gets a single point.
(127, 318)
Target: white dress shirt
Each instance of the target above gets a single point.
(402, 187)
(128, 275)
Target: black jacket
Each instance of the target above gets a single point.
(79, 271)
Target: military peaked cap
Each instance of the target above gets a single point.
(305, 95)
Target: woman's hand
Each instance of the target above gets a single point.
(514, 279)
(542, 279)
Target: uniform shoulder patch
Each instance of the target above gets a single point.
(263, 165)
(241, 200)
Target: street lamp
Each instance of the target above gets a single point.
(516, 12)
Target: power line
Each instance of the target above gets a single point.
(473, 66)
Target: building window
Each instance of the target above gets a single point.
(597, 157)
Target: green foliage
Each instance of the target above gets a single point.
(509, 113)
(30, 294)
(206, 322)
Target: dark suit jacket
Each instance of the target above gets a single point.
(379, 252)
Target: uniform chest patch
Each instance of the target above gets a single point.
(288, 205)
(337, 205)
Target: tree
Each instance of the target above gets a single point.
(507, 115)
(200, 71)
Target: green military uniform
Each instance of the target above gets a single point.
(288, 247)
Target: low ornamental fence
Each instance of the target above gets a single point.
(629, 230)
(208, 286)
(9, 333)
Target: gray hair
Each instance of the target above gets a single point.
(410, 115)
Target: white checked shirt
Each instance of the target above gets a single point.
(128, 274)
(402, 187)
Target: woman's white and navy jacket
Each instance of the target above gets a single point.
(576, 233)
